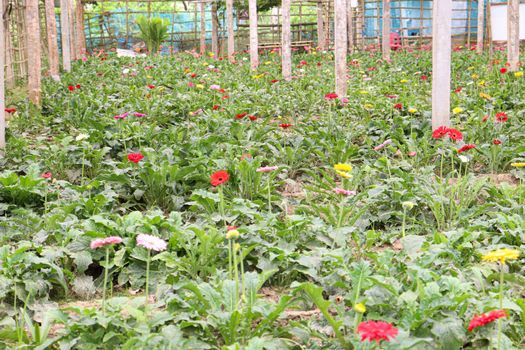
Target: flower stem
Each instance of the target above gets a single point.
(106, 268)
(500, 303)
(404, 221)
(236, 273)
(269, 197)
(230, 261)
(221, 205)
(147, 277)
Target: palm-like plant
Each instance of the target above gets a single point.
(153, 31)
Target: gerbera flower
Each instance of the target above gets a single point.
(232, 234)
(466, 148)
(267, 169)
(398, 106)
(151, 242)
(71, 88)
(376, 330)
(484, 319)
(518, 165)
(501, 255)
(101, 242)
(285, 126)
(252, 117)
(501, 117)
(10, 110)
(440, 132)
(455, 134)
(135, 157)
(503, 70)
(331, 96)
(46, 175)
(219, 177)
(344, 192)
(457, 110)
(240, 115)
(343, 167)
(496, 142)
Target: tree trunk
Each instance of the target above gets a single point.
(350, 25)
(231, 34)
(254, 39)
(441, 52)
(340, 43)
(481, 25)
(52, 44)
(79, 29)
(203, 28)
(386, 30)
(214, 30)
(34, 62)
(286, 41)
(513, 34)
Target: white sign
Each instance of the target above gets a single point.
(498, 21)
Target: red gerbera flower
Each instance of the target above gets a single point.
(466, 148)
(225, 97)
(398, 106)
(10, 110)
(71, 88)
(458, 90)
(496, 142)
(193, 75)
(440, 132)
(285, 126)
(219, 177)
(78, 86)
(274, 81)
(46, 175)
(455, 134)
(376, 330)
(503, 70)
(501, 117)
(330, 96)
(424, 77)
(240, 115)
(252, 117)
(216, 107)
(151, 86)
(135, 157)
(484, 319)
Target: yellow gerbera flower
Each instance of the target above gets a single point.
(501, 255)
(199, 86)
(404, 81)
(343, 167)
(344, 174)
(475, 76)
(232, 234)
(481, 83)
(518, 165)
(518, 74)
(361, 308)
(412, 110)
(457, 110)
(368, 106)
(484, 95)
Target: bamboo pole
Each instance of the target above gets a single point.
(203, 28)
(386, 30)
(441, 56)
(34, 62)
(65, 35)
(469, 19)
(350, 25)
(2, 78)
(72, 29)
(320, 26)
(286, 46)
(340, 43)
(214, 30)
(52, 44)
(481, 25)
(254, 39)
(513, 34)
(231, 37)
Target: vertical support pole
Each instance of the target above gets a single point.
(481, 25)
(80, 37)
(513, 34)
(386, 30)
(214, 30)
(203, 28)
(34, 62)
(286, 41)
(441, 56)
(320, 26)
(229, 24)
(350, 25)
(2, 78)
(65, 35)
(72, 29)
(254, 39)
(52, 44)
(340, 43)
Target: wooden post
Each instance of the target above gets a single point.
(286, 46)
(2, 78)
(254, 39)
(481, 25)
(214, 30)
(72, 29)
(320, 26)
(350, 25)
(52, 44)
(441, 56)
(386, 30)
(34, 62)
(203, 28)
(340, 43)
(513, 34)
(229, 24)
(65, 35)
(80, 37)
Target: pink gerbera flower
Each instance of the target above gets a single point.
(151, 242)
(102, 242)
(267, 169)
